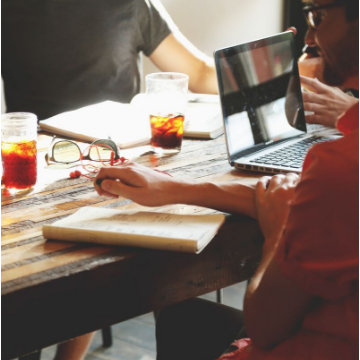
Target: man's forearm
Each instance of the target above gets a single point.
(228, 197)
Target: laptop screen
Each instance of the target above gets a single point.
(260, 94)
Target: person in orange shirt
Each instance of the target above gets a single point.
(302, 302)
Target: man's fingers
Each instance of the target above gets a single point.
(105, 193)
(275, 181)
(312, 84)
(101, 189)
(316, 108)
(269, 183)
(314, 119)
(278, 180)
(115, 188)
(113, 172)
(261, 185)
(291, 179)
(311, 97)
(127, 174)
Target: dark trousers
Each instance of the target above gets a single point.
(197, 329)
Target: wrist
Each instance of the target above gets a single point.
(195, 193)
(184, 192)
(227, 197)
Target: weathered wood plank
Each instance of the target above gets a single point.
(53, 211)
(36, 282)
(53, 197)
(32, 250)
(20, 235)
(50, 262)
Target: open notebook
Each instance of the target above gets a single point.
(128, 124)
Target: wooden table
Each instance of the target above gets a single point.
(53, 291)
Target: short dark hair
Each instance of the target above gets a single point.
(352, 8)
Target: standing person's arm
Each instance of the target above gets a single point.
(176, 53)
(160, 39)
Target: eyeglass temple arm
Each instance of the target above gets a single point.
(47, 156)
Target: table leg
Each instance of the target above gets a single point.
(219, 296)
(106, 336)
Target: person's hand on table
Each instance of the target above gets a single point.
(326, 102)
(138, 183)
(272, 199)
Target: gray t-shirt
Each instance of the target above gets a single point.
(59, 55)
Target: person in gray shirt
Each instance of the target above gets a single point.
(60, 55)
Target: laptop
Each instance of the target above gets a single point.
(262, 107)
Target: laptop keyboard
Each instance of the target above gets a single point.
(310, 128)
(290, 156)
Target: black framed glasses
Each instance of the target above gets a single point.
(314, 14)
(68, 151)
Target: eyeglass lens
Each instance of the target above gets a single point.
(314, 18)
(66, 152)
(99, 152)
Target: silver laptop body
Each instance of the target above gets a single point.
(262, 107)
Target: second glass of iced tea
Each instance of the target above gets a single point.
(167, 100)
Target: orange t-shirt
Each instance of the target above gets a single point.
(320, 252)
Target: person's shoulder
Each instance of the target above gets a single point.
(334, 157)
(150, 7)
(332, 168)
(154, 24)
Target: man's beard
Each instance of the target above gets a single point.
(346, 59)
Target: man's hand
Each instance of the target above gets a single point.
(311, 66)
(272, 198)
(138, 183)
(326, 102)
(152, 188)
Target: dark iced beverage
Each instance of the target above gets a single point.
(19, 165)
(167, 132)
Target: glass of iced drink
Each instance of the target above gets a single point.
(167, 100)
(18, 151)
